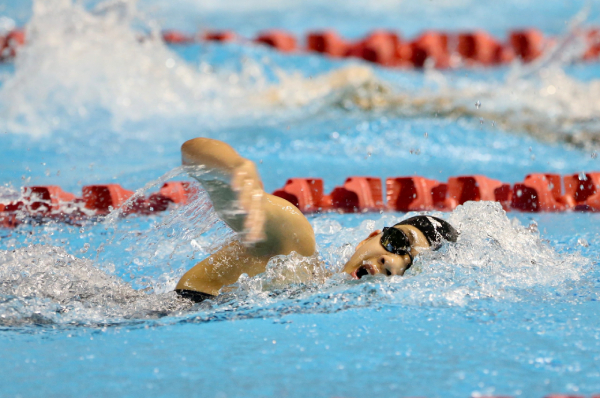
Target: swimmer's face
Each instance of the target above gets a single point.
(371, 258)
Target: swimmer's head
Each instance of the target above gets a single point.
(392, 251)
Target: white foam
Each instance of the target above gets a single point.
(41, 283)
(77, 63)
(45, 285)
(8, 194)
(6, 25)
(495, 258)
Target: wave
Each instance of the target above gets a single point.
(549, 105)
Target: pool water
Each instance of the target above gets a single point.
(88, 309)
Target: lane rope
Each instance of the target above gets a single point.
(536, 193)
(386, 47)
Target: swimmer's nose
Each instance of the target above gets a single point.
(389, 268)
(386, 266)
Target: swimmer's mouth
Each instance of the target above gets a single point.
(363, 270)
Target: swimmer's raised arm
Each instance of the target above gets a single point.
(269, 225)
(232, 183)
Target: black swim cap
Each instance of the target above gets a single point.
(435, 229)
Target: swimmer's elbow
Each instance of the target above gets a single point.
(192, 150)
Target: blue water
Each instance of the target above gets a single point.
(511, 310)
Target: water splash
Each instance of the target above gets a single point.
(6, 25)
(45, 285)
(130, 278)
(8, 194)
(131, 272)
(140, 194)
(78, 65)
(495, 259)
(109, 65)
(547, 104)
(156, 257)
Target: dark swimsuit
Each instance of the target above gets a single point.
(196, 297)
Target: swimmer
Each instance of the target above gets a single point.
(271, 226)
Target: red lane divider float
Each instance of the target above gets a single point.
(305, 193)
(384, 47)
(410, 193)
(42, 203)
(171, 192)
(481, 48)
(176, 37)
(358, 194)
(220, 36)
(527, 44)
(537, 193)
(584, 190)
(593, 45)
(327, 42)
(103, 198)
(432, 46)
(380, 47)
(10, 42)
(46, 199)
(463, 189)
(278, 39)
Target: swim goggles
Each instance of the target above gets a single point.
(395, 241)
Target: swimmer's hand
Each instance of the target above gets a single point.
(246, 183)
